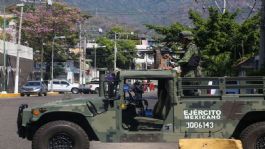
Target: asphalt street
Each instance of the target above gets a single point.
(10, 140)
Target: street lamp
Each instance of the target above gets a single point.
(19, 44)
(115, 51)
(18, 48)
(55, 37)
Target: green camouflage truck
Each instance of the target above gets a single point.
(175, 108)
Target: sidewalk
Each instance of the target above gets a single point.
(13, 95)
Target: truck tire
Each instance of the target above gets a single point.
(253, 137)
(60, 134)
(75, 90)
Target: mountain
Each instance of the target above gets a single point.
(162, 12)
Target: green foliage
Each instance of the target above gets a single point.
(169, 34)
(223, 42)
(1, 21)
(126, 51)
(215, 38)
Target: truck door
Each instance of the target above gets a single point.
(197, 112)
(56, 85)
(65, 86)
(149, 113)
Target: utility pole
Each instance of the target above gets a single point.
(53, 40)
(80, 54)
(4, 49)
(115, 51)
(84, 61)
(95, 59)
(262, 36)
(18, 49)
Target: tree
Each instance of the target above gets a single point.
(125, 54)
(223, 42)
(42, 23)
(169, 35)
(7, 35)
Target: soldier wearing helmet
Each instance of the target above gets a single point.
(190, 61)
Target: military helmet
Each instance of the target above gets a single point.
(186, 34)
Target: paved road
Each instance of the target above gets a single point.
(10, 140)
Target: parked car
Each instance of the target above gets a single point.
(63, 86)
(34, 87)
(91, 87)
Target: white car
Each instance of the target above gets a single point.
(91, 87)
(64, 86)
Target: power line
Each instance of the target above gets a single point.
(252, 9)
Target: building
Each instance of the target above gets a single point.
(26, 64)
(145, 53)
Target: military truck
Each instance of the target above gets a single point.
(178, 108)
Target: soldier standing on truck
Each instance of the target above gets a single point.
(190, 61)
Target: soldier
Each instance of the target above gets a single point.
(138, 90)
(190, 61)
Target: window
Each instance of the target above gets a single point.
(33, 84)
(64, 83)
(56, 82)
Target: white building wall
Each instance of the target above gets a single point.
(11, 49)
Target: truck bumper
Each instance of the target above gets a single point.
(21, 130)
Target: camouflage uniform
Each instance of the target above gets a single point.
(191, 51)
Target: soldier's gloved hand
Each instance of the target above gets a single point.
(177, 69)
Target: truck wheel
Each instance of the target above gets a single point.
(253, 137)
(60, 134)
(75, 90)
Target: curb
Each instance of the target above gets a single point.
(53, 93)
(13, 95)
(9, 95)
